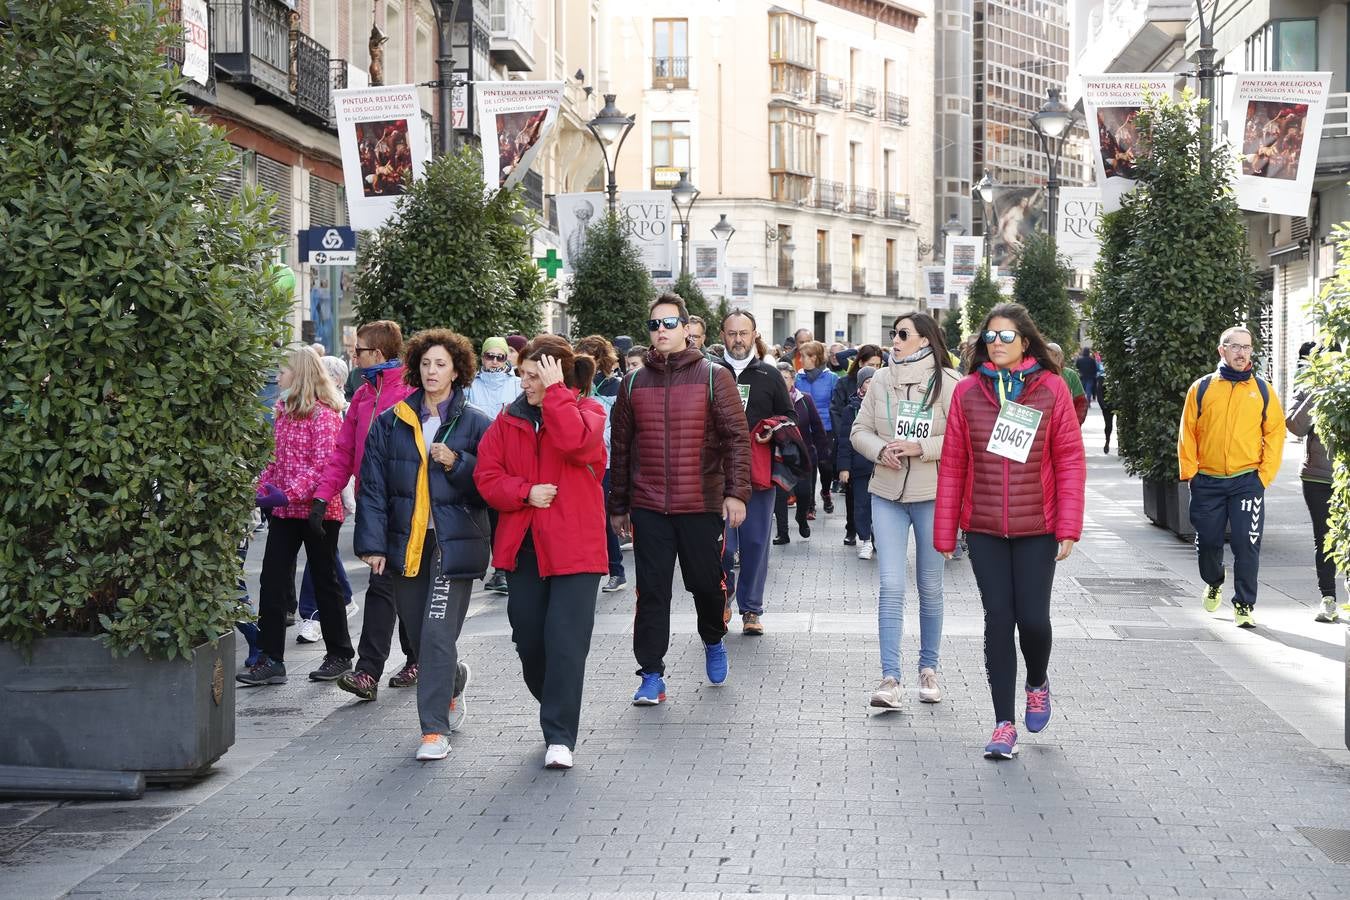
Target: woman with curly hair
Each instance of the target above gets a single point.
(420, 517)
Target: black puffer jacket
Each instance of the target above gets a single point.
(392, 515)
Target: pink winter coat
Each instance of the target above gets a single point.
(367, 403)
(303, 447)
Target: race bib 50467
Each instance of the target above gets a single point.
(1014, 431)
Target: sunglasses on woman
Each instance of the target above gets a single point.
(495, 357)
(901, 333)
(669, 323)
(1006, 336)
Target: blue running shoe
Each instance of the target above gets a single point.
(250, 632)
(1003, 745)
(652, 690)
(1038, 707)
(717, 662)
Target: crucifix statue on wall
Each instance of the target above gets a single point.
(377, 41)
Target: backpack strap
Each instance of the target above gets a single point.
(1260, 385)
(1200, 394)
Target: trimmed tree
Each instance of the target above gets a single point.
(695, 299)
(137, 316)
(1041, 284)
(611, 287)
(1106, 310)
(982, 297)
(456, 257)
(1181, 276)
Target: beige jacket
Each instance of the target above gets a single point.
(916, 480)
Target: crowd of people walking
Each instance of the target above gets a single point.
(534, 464)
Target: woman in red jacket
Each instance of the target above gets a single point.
(1012, 477)
(540, 466)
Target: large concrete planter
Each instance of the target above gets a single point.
(1167, 504)
(72, 704)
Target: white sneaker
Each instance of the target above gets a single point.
(865, 549)
(887, 694)
(309, 631)
(557, 757)
(353, 608)
(434, 746)
(1329, 611)
(929, 692)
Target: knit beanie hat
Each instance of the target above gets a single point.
(495, 345)
(517, 342)
(865, 373)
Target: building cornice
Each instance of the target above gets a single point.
(886, 12)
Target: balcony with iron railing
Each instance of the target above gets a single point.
(785, 272)
(532, 190)
(862, 200)
(824, 276)
(512, 26)
(313, 78)
(670, 71)
(862, 100)
(337, 81)
(897, 207)
(826, 194)
(253, 45)
(892, 283)
(1334, 154)
(897, 109)
(859, 280)
(829, 91)
(172, 11)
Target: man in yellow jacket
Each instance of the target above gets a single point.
(1229, 447)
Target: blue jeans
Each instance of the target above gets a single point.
(308, 605)
(891, 522)
(859, 483)
(752, 540)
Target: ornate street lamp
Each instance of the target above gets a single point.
(1052, 123)
(984, 191)
(682, 197)
(611, 127)
(723, 230)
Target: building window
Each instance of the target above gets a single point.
(670, 152)
(1285, 45)
(792, 152)
(670, 58)
(792, 39)
(782, 325)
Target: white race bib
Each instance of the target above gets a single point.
(744, 390)
(912, 421)
(1014, 431)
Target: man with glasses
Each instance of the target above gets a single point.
(1229, 447)
(680, 474)
(494, 389)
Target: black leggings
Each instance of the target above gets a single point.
(1317, 494)
(1014, 576)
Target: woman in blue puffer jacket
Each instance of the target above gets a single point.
(817, 381)
(419, 516)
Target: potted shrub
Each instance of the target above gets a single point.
(136, 321)
(1174, 272)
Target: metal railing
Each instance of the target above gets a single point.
(532, 188)
(859, 280)
(827, 194)
(313, 79)
(337, 81)
(829, 91)
(897, 109)
(254, 42)
(824, 276)
(863, 99)
(862, 200)
(897, 207)
(892, 283)
(672, 70)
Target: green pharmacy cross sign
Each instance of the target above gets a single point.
(550, 263)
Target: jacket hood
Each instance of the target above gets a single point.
(496, 380)
(813, 374)
(522, 413)
(917, 372)
(675, 361)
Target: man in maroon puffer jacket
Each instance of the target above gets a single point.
(680, 473)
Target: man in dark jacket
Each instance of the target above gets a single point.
(1086, 366)
(764, 396)
(680, 467)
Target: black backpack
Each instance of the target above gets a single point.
(1260, 384)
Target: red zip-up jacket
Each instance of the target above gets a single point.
(985, 493)
(568, 450)
(367, 403)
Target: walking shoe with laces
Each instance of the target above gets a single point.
(557, 756)
(716, 662)
(804, 530)
(850, 540)
(750, 624)
(865, 550)
(497, 583)
(1003, 745)
(929, 692)
(1242, 616)
(458, 708)
(781, 540)
(362, 684)
(1038, 707)
(309, 631)
(652, 690)
(829, 507)
(404, 677)
(1213, 597)
(615, 583)
(1330, 612)
(887, 694)
(331, 668)
(434, 746)
(264, 671)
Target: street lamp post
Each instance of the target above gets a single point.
(682, 197)
(611, 127)
(1205, 71)
(984, 192)
(1052, 123)
(445, 11)
(723, 230)
(950, 229)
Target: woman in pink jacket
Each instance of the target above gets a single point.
(308, 419)
(1011, 477)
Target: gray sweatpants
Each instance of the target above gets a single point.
(433, 619)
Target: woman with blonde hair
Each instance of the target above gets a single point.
(308, 417)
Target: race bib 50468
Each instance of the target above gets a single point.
(912, 421)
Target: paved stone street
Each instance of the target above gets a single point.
(1183, 758)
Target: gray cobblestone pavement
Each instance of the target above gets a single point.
(1183, 757)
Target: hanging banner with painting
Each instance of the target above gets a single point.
(1276, 121)
(963, 261)
(646, 221)
(1018, 212)
(935, 283)
(515, 118)
(1080, 215)
(742, 285)
(705, 262)
(384, 147)
(196, 41)
(1110, 105)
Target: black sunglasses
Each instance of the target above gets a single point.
(365, 349)
(902, 333)
(495, 357)
(669, 323)
(1007, 336)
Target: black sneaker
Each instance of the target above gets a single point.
(805, 531)
(265, 671)
(615, 583)
(290, 619)
(829, 507)
(497, 583)
(850, 540)
(781, 540)
(332, 668)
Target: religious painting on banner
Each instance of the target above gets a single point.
(646, 221)
(963, 261)
(705, 259)
(1276, 120)
(1080, 215)
(516, 117)
(1110, 104)
(384, 147)
(1018, 212)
